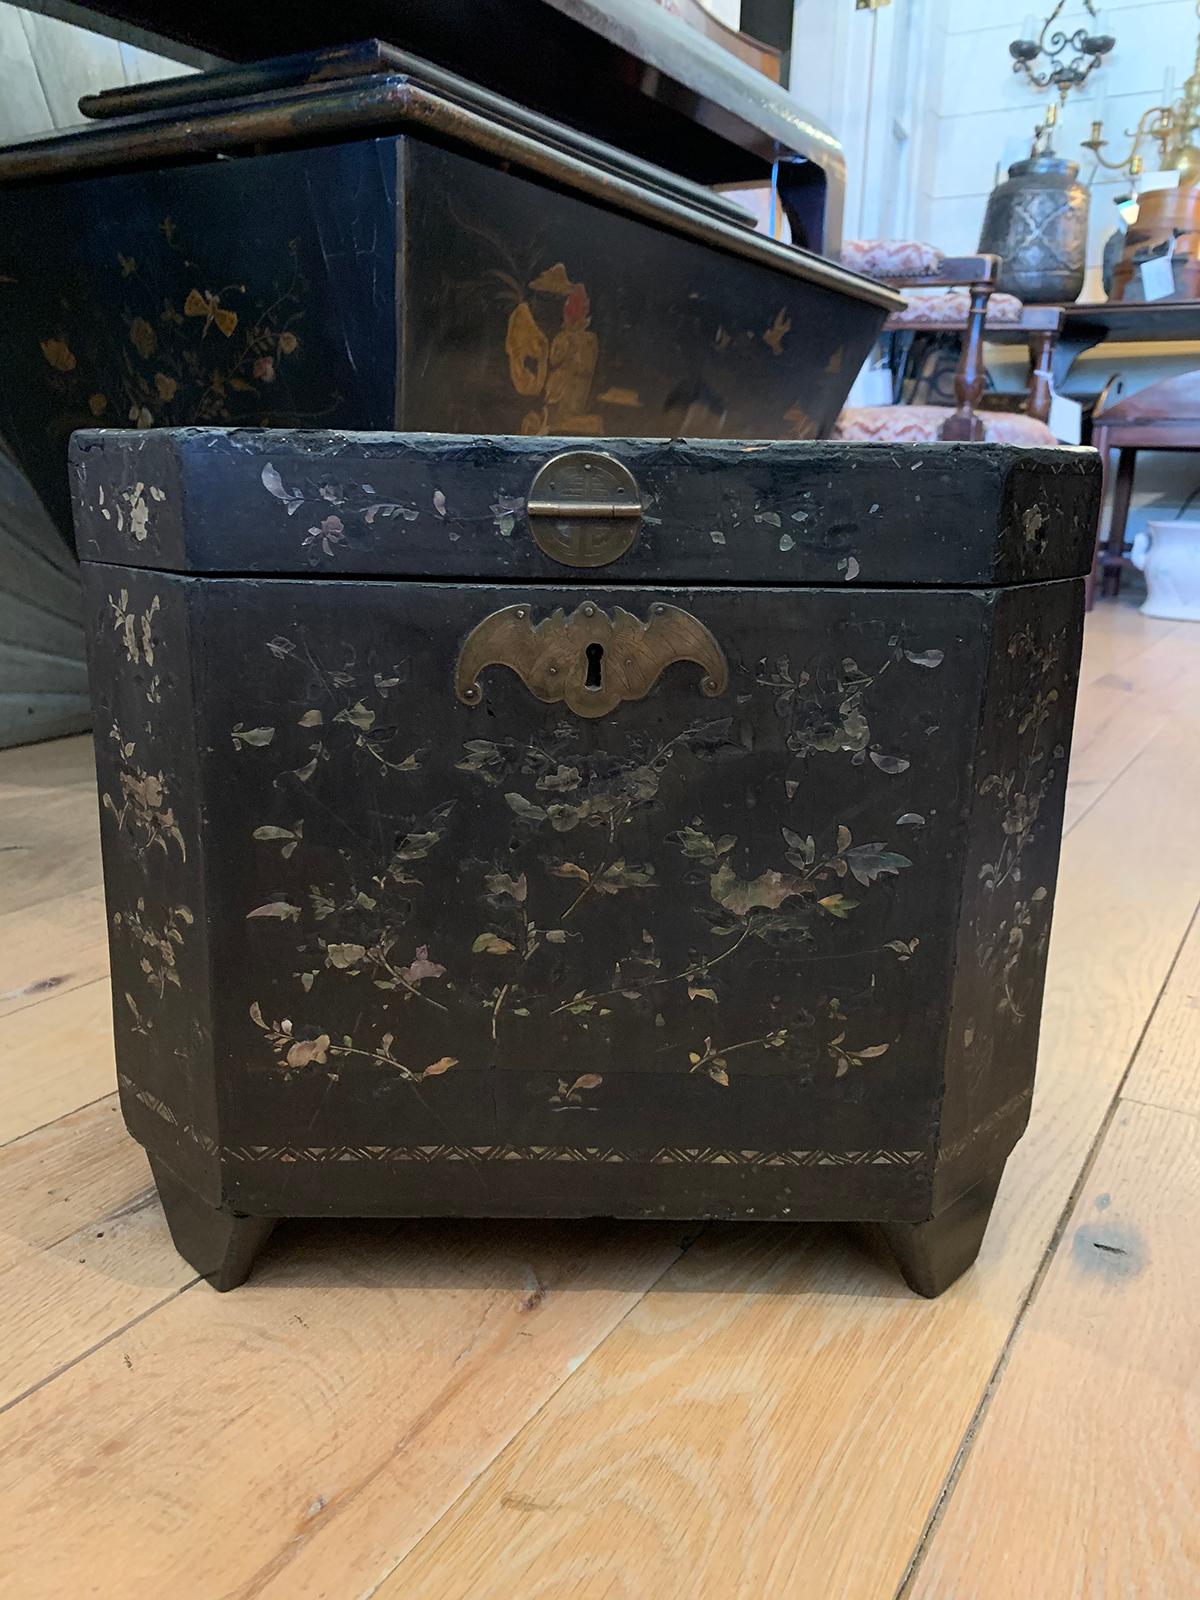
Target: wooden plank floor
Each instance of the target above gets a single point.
(604, 1410)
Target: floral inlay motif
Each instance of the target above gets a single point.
(158, 946)
(330, 503)
(578, 811)
(206, 355)
(823, 706)
(317, 1050)
(131, 506)
(137, 635)
(143, 806)
(1019, 794)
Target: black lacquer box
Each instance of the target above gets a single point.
(505, 826)
(360, 240)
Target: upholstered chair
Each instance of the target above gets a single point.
(957, 295)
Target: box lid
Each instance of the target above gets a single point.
(329, 504)
(133, 121)
(170, 98)
(624, 71)
(377, 92)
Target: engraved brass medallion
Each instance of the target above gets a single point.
(589, 660)
(584, 508)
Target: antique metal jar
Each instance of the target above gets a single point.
(1037, 221)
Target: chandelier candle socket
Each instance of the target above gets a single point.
(1067, 60)
(1174, 126)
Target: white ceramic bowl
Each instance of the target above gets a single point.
(1169, 555)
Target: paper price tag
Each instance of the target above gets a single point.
(1158, 280)
(1066, 419)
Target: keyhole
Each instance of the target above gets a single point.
(595, 655)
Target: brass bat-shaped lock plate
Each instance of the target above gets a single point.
(584, 508)
(590, 660)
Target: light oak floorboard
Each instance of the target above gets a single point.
(54, 764)
(778, 1418)
(84, 1249)
(1166, 1071)
(64, 1299)
(1119, 713)
(52, 947)
(53, 1180)
(1115, 635)
(294, 1437)
(1084, 1480)
(49, 845)
(56, 1056)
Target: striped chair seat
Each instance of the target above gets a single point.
(921, 425)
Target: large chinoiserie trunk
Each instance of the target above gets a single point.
(358, 240)
(514, 827)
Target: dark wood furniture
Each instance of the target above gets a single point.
(633, 76)
(1087, 324)
(1168, 221)
(356, 240)
(1162, 416)
(977, 274)
(502, 826)
(1037, 327)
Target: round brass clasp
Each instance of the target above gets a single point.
(584, 508)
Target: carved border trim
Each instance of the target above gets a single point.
(431, 1154)
(592, 1155)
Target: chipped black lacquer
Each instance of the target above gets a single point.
(402, 924)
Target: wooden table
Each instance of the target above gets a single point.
(1162, 416)
(1087, 324)
(1150, 420)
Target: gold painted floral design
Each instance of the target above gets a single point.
(574, 810)
(137, 635)
(157, 932)
(131, 508)
(209, 355)
(143, 805)
(1019, 795)
(157, 945)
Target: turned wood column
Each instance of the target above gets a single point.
(968, 380)
(1041, 347)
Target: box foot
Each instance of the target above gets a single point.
(221, 1245)
(932, 1255)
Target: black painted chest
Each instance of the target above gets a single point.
(357, 240)
(512, 827)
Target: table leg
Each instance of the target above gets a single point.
(1099, 439)
(1114, 548)
(1041, 346)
